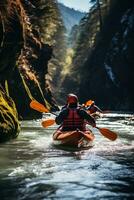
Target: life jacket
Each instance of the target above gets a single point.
(74, 121)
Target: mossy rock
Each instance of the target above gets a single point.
(9, 124)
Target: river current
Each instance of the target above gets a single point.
(32, 169)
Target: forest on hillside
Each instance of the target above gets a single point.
(102, 60)
(39, 61)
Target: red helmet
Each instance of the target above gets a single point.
(72, 98)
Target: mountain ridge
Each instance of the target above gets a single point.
(70, 16)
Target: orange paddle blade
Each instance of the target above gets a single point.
(108, 133)
(89, 102)
(47, 122)
(38, 106)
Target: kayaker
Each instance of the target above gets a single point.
(73, 116)
(93, 108)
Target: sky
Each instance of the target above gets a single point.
(82, 5)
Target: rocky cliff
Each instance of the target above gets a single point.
(110, 66)
(26, 46)
(102, 67)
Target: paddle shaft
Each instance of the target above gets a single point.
(41, 108)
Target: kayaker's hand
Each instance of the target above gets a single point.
(92, 124)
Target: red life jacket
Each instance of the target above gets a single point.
(74, 121)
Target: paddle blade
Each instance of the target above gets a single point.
(108, 133)
(89, 102)
(47, 122)
(38, 106)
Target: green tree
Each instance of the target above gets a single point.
(97, 3)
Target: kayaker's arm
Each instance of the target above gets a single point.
(59, 119)
(94, 108)
(87, 117)
(98, 109)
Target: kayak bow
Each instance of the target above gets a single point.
(73, 139)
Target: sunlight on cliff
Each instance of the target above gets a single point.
(68, 62)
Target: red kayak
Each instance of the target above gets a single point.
(73, 139)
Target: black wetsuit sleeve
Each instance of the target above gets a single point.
(62, 115)
(86, 116)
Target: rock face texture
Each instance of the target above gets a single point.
(9, 124)
(25, 50)
(103, 63)
(111, 71)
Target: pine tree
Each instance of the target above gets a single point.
(97, 3)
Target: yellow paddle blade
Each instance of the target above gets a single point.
(108, 133)
(47, 122)
(38, 106)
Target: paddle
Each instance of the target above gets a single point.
(41, 108)
(104, 131)
(38, 106)
(111, 135)
(48, 122)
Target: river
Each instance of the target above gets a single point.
(32, 169)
